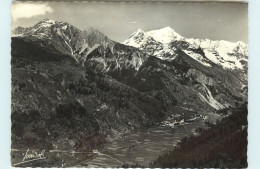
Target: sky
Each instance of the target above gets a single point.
(118, 20)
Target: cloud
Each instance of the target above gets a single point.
(29, 9)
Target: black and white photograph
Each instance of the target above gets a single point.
(129, 84)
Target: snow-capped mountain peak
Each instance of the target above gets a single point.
(163, 42)
(46, 22)
(227, 54)
(165, 35)
(138, 32)
(147, 42)
(138, 38)
(43, 24)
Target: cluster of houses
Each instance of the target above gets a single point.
(176, 123)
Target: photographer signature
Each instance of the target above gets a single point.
(34, 155)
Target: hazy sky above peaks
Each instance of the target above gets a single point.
(118, 20)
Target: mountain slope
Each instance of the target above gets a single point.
(60, 103)
(184, 82)
(226, 54)
(199, 82)
(224, 145)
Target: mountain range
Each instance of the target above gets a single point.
(70, 85)
(163, 42)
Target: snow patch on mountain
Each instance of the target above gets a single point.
(197, 57)
(46, 23)
(83, 47)
(224, 53)
(165, 35)
(146, 42)
(210, 100)
(71, 50)
(138, 38)
(157, 43)
(166, 53)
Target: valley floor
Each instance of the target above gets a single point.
(143, 147)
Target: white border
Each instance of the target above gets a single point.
(254, 87)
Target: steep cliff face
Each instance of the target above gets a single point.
(200, 77)
(118, 58)
(94, 49)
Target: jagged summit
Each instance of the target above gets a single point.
(43, 29)
(45, 22)
(138, 31)
(137, 38)
(88, 47)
